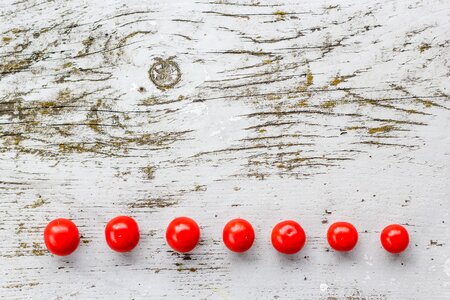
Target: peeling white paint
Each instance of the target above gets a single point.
(348, 120)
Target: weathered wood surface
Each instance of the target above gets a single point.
(313, 110)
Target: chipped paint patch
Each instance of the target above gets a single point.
(423, 47)
(38, 203)
(382, 129)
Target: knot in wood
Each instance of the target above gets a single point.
(165, 73)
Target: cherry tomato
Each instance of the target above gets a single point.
(288, 237)
(342, 236)
(238, 235)
(61, 237)
(122, 234)
(183, 234)
(394, 238)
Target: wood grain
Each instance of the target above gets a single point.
(313, 110)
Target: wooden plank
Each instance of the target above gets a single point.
(313, 110)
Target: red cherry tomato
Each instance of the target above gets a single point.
(288, 237)
(238, 235)
(61, 237)
(394, 238)
(342, 236)
(183, 234)
(122, 234)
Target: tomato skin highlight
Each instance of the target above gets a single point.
(183, 234)
(342, 236)
(61, 237)
(238, 235)
(122, 234)
(394, 238)
(288, 237)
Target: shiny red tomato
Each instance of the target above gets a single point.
(183, 234)
(238, 235)
(288, 237)
(61, 237)
(122, 234)
(342, 236)
(394, 238)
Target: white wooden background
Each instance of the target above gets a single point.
(313, 110)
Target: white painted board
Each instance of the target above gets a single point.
(317, 111)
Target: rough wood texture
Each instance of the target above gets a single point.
(313, 110)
